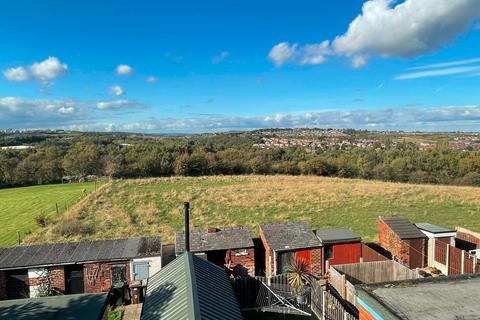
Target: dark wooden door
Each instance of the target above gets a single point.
(417, 253)
(74, 279)
(17, 284)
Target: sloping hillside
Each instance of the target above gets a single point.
(154, 206)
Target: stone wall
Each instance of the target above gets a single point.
(97, 277)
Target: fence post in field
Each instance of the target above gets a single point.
(463, 262)
(447, 259)
(324, 302)
(56, 208)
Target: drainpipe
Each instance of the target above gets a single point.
(186, 207)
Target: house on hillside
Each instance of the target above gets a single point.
(436, 233)
(284, 242)
(230, 248)
(340, 246)
(190, 288)
(406, 243)
(439, 298)
(78, 267)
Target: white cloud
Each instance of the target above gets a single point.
(47, 69)
(117, 90)
(18, 74)
(437, 72)
(124, 69)
(387, 28)
(152, 79)
(222, 56)
(446, 64)
(120, 104)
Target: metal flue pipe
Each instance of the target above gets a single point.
(186, 207)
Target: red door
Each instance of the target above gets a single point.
(304, 255)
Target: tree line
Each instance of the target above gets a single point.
(49, 161)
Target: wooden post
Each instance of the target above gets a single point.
(324, 293)
(463, 261)
(95, 185)
(447, 259)
(56, 207)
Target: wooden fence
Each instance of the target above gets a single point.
(326, 306)
(454, 261)
(370, 255)
(344, 277)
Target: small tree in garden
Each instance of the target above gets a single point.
(299, 277)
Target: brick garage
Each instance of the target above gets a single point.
(406, 243)
(284, 242)
(229, 248)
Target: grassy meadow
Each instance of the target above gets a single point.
(20, 206)
(154, 206)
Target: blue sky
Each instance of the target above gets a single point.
(195, 66)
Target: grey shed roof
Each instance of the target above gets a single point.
(78, 252)
(336, 235)
(63, 307)
(442, 298)
(289, 236)
(190, 288)
(433, 228)
(223, 239)
(403, 227)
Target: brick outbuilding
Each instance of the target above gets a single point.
(284, 242)
(229, 248)
(406, 243)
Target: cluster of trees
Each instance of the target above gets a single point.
(226, 155)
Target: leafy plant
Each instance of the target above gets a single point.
(298, 276)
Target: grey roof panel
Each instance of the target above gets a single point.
(289, 236)
(223, 239)
(190, 288)
(337, 235)
(403, 227)
(433, 228)
(77, 252)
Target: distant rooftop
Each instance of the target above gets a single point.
(336, 235)
(433, 228)
(75, 252)
(216, 239)
(290, 236)
(190, 288)
(443, 298)
(72, 306)
(403, 227)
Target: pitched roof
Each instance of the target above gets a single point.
(223, 239)
(289, 235)
(190, 288)
(403, 227)
(74, 252)
(336, 235)
(433, 228)
(72, 306)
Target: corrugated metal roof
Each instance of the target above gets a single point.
(190, 288)
(403, 227)
(433, 228)
(336, 235)
(77, 252)
(223, 239)
(289, 236)
(73, 306)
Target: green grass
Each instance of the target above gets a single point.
(20, 206)
(128, 208)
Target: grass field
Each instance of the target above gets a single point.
(154, 206)
(20, 206)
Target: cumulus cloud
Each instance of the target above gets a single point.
(117, 90)
(285, 52)
(222, 56)
(387, 29)
(43, 71)
(124, 69)
(18, 74)
(120, 104)
(152, 79)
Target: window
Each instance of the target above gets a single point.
(328, 252)
(119, 273)
(140, 270)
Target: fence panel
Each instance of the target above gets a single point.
(441, 252)
(370, 255)
(326, 306)
(337, 280)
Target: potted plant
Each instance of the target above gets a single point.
(299, 279)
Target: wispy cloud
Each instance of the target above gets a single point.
(221, 57)
(446, 64)
(437, 73)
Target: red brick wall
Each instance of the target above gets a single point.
(97, 276)
(58, 276)
(345, 253)
(317, 262)
(3, 285)
(237, 258)
(269, 257)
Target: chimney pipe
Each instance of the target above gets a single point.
(186, 207)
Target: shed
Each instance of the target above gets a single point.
(340, 245)
(406, 243)
(190, 288)
(77, 267)
(436, 233)
(232, 248)
(286, 241)
(70, 307)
